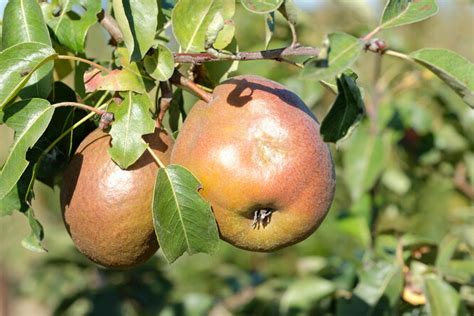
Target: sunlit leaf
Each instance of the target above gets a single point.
(261, 6)
(116, 80)
(455, 70)
(138, 21)
(17, 64)
(71, 19)
(132, 121)
(160, 65)
(23, 22)
(29, 119)
(343, 51)
(182, 218)
(346, 111)
(191, 20)
(217, 24)
(401, 12)
(442, 298)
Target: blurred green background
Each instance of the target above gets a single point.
(400, 228)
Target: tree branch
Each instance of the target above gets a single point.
(164, 101)
(278, 54)
(179, 80)
(111, 26)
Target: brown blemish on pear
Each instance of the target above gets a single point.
(257, 150)
(107, 210)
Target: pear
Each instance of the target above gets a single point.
(107, 210)
(263, 166)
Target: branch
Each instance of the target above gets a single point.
(460, 181)
(278, 54)
(164, 101)
(179, 80)
(111, 26)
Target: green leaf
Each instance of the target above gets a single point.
(71, 19)
(18, 197)
(191, 20)
(377, 280)
(441, 298)
(183, 220)
(33, 241)
(401, 12)
(217, 24)
(116, 80)
(130, 77)
(138, 21)
(303, 294)
(289, 11)
(446, 250)
(269, 28)
(132, 120)
(455, 70)
(17, 64)
(176, 111)
(29, 119)
(261, 6)
(160, 65)
(23, 22)
(346, 111)
(344, 49)
(364, 160)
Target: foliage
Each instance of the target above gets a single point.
(398, 238)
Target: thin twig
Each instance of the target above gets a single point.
(460, 181)
(398, 54)
(164, 101)
(372, 33)
(294, 35)
(81, 106)
(179, 80)
(111, 26)
(83, 60)
(272, 54)
(372, 106)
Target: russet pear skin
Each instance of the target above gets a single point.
(262, 163)
(107, 210)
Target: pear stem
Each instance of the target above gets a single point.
(83, 60)
(164, 101)
(80, 106)
(158, 161)
(181, 81)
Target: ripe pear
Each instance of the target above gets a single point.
(262, 163)
(107, 210)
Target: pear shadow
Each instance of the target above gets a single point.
(244, 90)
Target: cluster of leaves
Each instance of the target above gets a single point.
(383, 249)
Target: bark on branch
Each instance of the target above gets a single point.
(273, 54)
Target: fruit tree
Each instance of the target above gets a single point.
(171, 129)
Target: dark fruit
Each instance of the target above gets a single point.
(107, 210)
